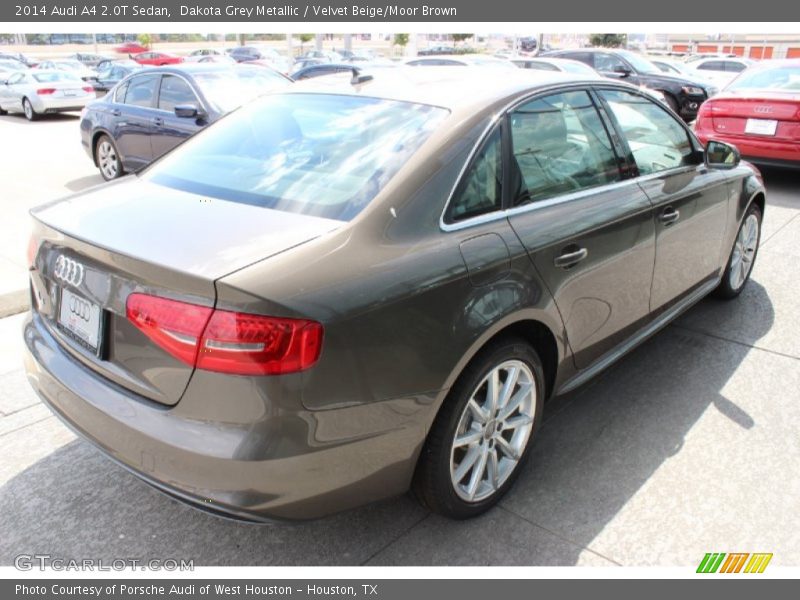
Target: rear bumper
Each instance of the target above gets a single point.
(278, 465)
(53, 105)
(761, 151)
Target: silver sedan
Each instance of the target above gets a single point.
(38, 92)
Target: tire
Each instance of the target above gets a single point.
(743, 255)
(454, 477)
(105, 152)
(27, 108)
(3, 111)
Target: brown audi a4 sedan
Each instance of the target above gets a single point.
(355, 287)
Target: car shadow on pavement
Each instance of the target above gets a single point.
(596, 450)
(19, 118)
(783, 179)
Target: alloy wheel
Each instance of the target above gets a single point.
(107, 159)
(493, 431)
(744, 251)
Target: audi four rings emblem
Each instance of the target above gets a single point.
(68, 270)
(80, 308)
(763, 110)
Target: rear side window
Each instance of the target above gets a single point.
(657, 140)
(174, 91)
(480, 190)
(542, 66)
(712, 65)
(559, 146)
(141, 91)
(734, 67)
(119, 95)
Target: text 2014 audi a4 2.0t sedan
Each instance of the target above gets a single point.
(348, 288)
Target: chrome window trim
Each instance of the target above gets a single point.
(506, 212)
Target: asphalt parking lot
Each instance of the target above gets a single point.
(688, 445)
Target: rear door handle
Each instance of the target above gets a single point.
(158, 121)
(116, 112)
(669, 216)
(571, 257)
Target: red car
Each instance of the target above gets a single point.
(130, 48)
(758, 112)
(157, 58)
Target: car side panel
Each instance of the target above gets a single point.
(688, 251)
(605, 297)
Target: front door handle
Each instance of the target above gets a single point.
(158, 121)
(669, 216)
(116, 112)
(571, 256)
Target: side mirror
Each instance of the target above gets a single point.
(188, 111)
(719, 155)
(622, 71)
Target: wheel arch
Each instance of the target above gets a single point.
(544, 333)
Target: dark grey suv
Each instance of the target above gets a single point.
(341, 291)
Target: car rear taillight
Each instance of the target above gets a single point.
(226, 341)
(174, 326)
(88, 88)
(46, 91)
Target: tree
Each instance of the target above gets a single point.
(400, 39)
(304, 39)
(608, 40)
(144, 39)
(460, 37)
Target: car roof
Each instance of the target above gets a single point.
(453, 88)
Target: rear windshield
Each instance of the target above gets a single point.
(779, 78)
(317, 154)
(54, 76)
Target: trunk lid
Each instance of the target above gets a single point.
(730, 114)
(137, 236)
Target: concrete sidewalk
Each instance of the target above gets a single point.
(688, 445)
(45, 161)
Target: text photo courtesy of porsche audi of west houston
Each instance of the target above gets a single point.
(472, 294)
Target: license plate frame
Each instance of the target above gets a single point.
(81, 320)
(765, 127)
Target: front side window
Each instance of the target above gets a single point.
(657, 140)
(608, 63)
(318, 154)
(142, 91)
(480, 190)
(559, 145)
(174, 91)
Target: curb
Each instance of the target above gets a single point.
(13, 303)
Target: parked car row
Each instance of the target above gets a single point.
(684, 86)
